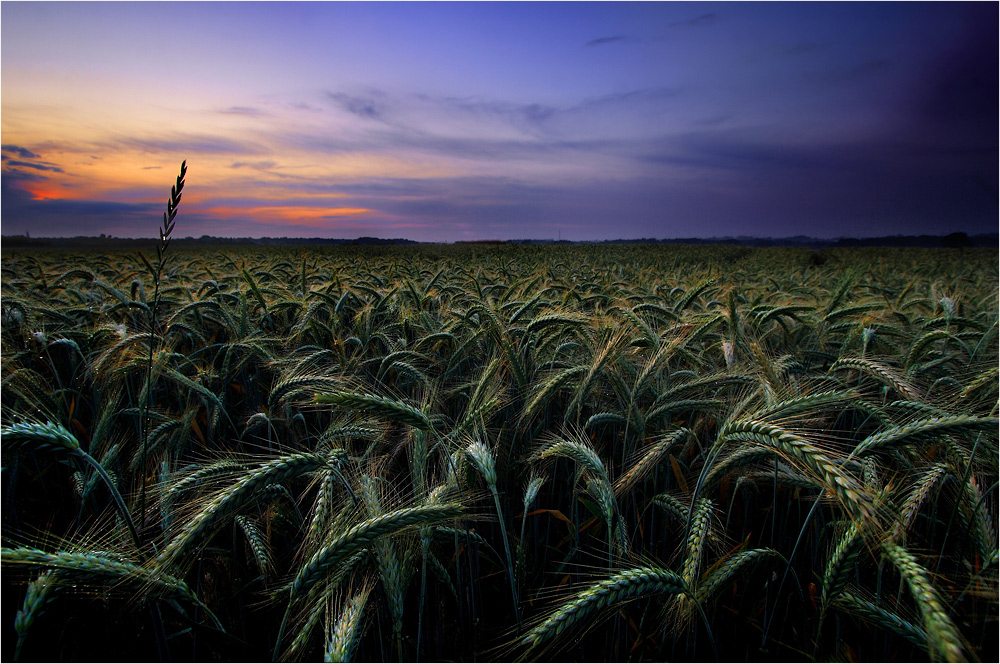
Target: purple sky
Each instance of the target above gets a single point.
(446, 121)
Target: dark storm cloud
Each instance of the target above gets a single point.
(946, 133)
(67, 217)
(827, 189)
(600, 41)
(959, 88)
(737, 151)
(23, 153)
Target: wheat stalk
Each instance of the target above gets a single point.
(157, 272)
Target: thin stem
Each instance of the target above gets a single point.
(506, 548)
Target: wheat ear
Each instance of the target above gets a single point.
(943, 639)
(728, 569)
(869, 612)
(388, 408)
(621, 587)
(846, 488)
(161, 247)
(650, 458)
(363, 534)
(90, 566)
(227, 500)
(346, 631)
(38, 595)
(581, 453)
(922, 429)
(55, 436)
(482, 458)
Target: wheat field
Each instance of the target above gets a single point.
(499, 452)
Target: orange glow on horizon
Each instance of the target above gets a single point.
(40, 192)
(287, 214)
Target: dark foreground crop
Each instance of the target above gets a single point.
(491, 453)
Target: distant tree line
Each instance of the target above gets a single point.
(952, 241)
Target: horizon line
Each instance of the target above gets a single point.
(714, 238)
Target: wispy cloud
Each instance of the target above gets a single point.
(601, 41)
(185, 143)
(697, 21)
(23, 153)
(255, 165)
(36, 166)
(364, 107)
(17, 175)
(243, 110)
(689, 151)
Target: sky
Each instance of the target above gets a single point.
(463, 121)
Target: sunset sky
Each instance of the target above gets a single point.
(455, 121)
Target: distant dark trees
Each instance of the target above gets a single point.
(956, 241)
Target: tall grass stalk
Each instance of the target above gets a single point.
(156, 273)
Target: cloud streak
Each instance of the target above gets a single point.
(183, 143)
(249, 111)
(601, 41)
(363, 107)
(696, 22)
(23, 153)
(37, 167)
